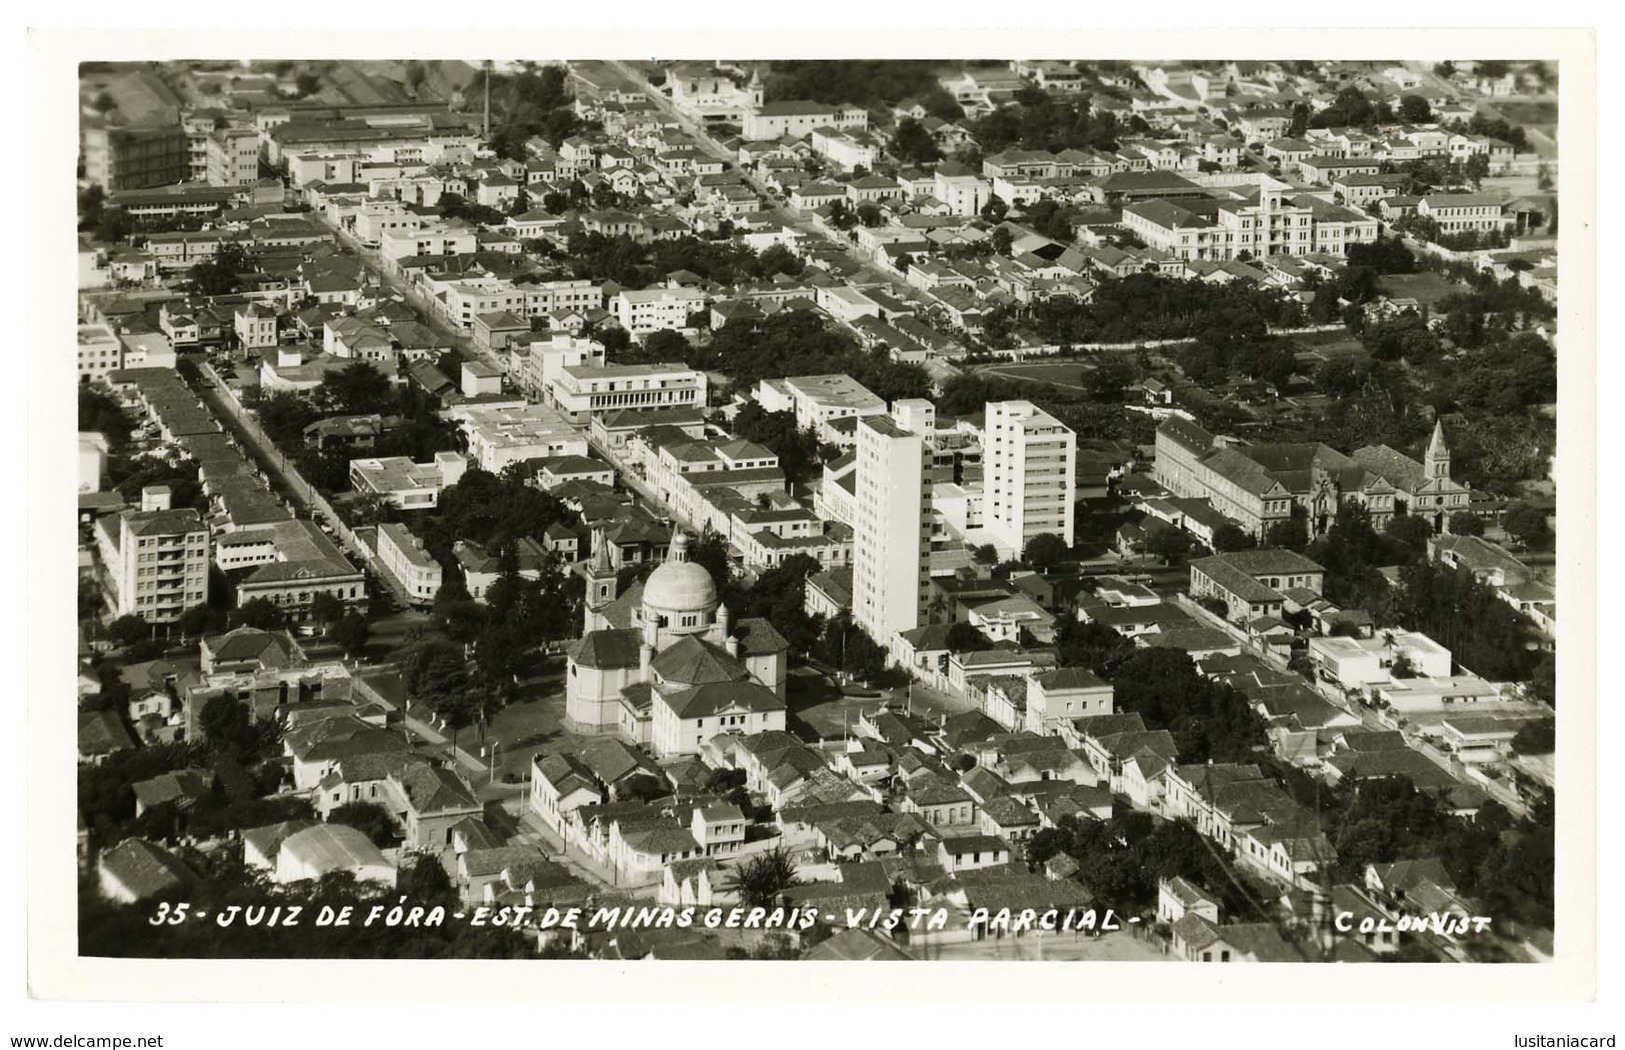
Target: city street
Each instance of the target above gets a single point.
(308, 502)
(785, 214)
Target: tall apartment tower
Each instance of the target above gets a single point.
(156, 559)
(892, 541)
(1028, 483)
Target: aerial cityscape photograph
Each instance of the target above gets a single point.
(821, 509)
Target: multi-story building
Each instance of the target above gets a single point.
(233, 157)
(255, 327)
(199, 127)
(892, 538)
(372, 219)
(292, 562)
(533, 366)
(136, 158)
(461, 302)
(959, 187)
(1205, 228)
(1423, 489)
(818, 401)
(1027, 479)
(710, 95)
(156, 559)
(442, 239)
(1461, 212)
(584, 391)
(654, 309)
(100, 352)
(545, 297)
(335, 168)
(501, 436)
(843, 149)
(1257, 486)
(408, 485)
(409, 561)
(775, 120)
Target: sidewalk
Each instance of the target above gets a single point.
(574, 858)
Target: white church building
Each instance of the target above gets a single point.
(662, 666)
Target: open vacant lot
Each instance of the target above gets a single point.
(1329, 346)
(1425, 288)
(1067, 374)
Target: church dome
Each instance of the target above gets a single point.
(680, 585)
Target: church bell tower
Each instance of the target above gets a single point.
(1436, 460)
(600, 576)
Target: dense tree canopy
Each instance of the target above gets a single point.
(533, 102)
(222, 272)
(797, 449)
(912, 144)
(1039, 121)
(864, 82)
(800, 343)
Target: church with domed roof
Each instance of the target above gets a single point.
(662, 665)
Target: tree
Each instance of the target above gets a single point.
(1536, 738)
(350, 633)
(761, 881)
(1232, 537)
(869, 213)
(356, 389)
(196, 620)
(710, 551)
(1091, 645)
(127, 630)
(1466, 523)
(964, 638)
(370, 819)
(437, 677)
(1044, 550)
(797, 449)
(1526, 523)
(779, 596)
(225, 723)
(1300, 121)
(1476, 168)
(1414, 109)
(1169, 544)
(1411, 531)
(460, 618)
(325, 608)
(1049, 219)
(221, 273)
(100, 412)
(1108, 379)
(1291, 534)
(1001, 239)
(912, 144)
(261, 614)
(776, 259)
(986, 554)
(283, 416)
(995, 209)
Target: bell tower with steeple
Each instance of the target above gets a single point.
(1436, 460)
(600, 576)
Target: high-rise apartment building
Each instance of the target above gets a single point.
(233, 157)
(892, 538)
(1027, 475)
(156, 559)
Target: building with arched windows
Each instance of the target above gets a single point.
(663, 665)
